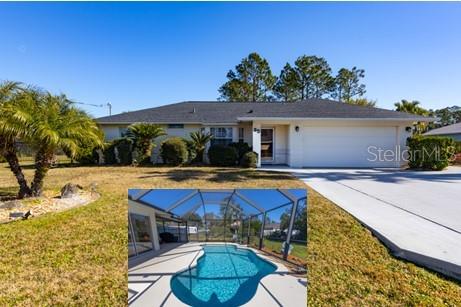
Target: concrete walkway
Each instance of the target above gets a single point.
(417, 215)
(149, 279)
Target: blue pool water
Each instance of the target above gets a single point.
(224, 276)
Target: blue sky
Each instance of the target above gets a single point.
(139, 55)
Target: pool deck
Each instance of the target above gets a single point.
(149, 278)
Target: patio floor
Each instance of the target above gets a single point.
(149, 278)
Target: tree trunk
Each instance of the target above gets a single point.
(199, 157)
(8, 148)
(43, 161)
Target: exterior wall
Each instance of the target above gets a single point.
(289, 144)
(256, 140)
(112, 132)
(134, 207)
(295, 147)
(247, 132)
(172, 132)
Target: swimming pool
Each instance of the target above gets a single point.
(224, 276)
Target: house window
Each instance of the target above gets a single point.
(241, 134)
(221, 135)
(176, 126)
(122, 131)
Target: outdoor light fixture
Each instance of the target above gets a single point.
(297, 128)
(408, 129)
(256, 130)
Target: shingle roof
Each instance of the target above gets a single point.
(230, 112)
(450, 129)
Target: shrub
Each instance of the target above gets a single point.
(430, 153)
(174, 151)
(109, 153)
(249, 159)
(242, 148)
(87, 156)
(200, 140)
(142, 135)
(457, 146)
(221, 155)
(119, 151)
(457, 159)
(191, 151)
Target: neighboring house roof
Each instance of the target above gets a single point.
(203, 112)
(450, 129)
(272, 226)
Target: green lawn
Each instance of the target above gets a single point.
(299, 250)
(347, 266)
(78, 257)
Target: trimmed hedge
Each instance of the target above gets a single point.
(249, 159)
(119, 151)
(87, 156)
(191, 152)
(174, 151)
(430, 153)
(242, 148)
(220, 155)
(458, 146)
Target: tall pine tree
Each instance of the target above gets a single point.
(286, 87)
(252, 80)
(314, 77)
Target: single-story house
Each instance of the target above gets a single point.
(453, 131)
(270, 228)
(311, 133)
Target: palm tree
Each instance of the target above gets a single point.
(14, 120)
(58, 125)
(200, 140)
(413, 107)
(143, 136)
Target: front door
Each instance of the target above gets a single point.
(267, 144)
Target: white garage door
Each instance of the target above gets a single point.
(347, 146)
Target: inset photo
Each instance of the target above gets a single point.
(224, 247)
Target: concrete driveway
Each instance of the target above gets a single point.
(416, 214)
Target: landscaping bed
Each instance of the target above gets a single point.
(37, 206)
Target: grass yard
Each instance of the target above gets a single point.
(78, 257)
(299, 250)
(349, 267)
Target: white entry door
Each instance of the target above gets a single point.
(267, 145)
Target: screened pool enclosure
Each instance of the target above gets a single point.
(274, 220)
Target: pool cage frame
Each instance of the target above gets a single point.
(227, 201)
